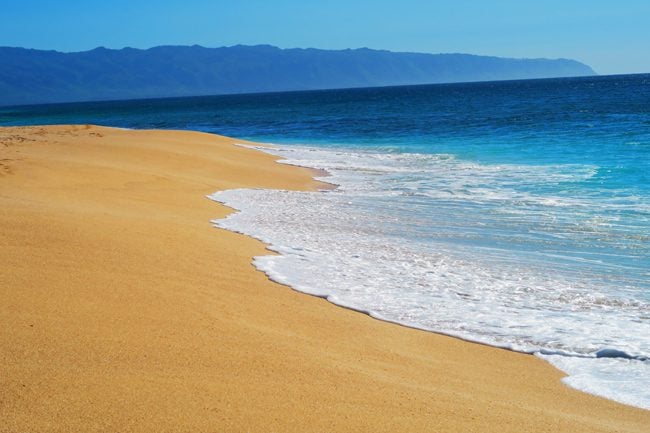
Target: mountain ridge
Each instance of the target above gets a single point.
(31, 76)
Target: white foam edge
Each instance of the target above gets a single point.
(258, 262)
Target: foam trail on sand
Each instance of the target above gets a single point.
(461, 248)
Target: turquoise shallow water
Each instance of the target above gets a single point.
(516, 214)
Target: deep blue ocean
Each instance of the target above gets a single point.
(515, 214)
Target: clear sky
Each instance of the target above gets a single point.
(611, 36)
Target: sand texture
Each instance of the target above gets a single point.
(123, 310)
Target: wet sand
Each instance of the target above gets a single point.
(123, 309)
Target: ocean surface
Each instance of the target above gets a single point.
(515, 214)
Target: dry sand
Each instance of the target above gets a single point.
(123, 309)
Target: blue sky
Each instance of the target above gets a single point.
(611, 36)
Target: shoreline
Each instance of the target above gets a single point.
(143, 317)
(549, 356)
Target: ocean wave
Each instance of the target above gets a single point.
(526, 275)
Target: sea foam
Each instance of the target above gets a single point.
(491, 254)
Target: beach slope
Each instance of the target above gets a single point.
(123, 309)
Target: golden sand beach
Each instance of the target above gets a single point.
(123, 310)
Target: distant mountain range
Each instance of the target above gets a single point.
(30, 76)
